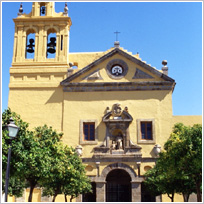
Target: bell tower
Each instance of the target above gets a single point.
(42, 36)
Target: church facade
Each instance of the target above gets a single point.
(114, 108)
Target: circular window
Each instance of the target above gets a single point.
(116, 69)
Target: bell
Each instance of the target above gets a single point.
(43, 10)
(51, 45)
(30, 46)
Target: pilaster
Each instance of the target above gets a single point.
(100, 191)
(136, 192)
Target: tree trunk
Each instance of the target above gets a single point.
(32, 186)
(186, 197)
(55, 195)
(53, 200)
(65, 198)
(71, 198)
(198, 184)
(171, 197)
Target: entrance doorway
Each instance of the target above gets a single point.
(118, 186)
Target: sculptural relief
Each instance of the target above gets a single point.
(117, 143)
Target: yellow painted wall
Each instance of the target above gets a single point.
(60, 198)
(177, 198)
(11, 198)
(36, 195)
(141, 105)
(38, 106)
(187, 120)
(35, 93)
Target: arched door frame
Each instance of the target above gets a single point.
(135, 182)
(118, 186)
(121, 166)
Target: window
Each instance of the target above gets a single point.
(89, 131)
(146, 131)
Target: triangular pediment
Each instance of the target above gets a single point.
(95, 75)
(119, 68)
(139, 74)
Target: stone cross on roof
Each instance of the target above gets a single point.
(116, 35)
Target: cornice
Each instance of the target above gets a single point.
(40, 19)
(121, 159)
(119, 86)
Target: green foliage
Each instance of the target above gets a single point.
(39, 157)
(79, 182)
(179, 167)
(16, 181)
(67, 175)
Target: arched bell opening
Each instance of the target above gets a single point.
(42, 9)
(118, 186)
(30, 44)
(51, 43)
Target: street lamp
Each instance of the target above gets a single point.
(12, 133)
(79, 150)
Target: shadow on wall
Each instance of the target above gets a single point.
(59, 95)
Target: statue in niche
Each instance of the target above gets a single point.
(113, 146)
(117, 144)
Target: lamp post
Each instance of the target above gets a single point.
(12, 133)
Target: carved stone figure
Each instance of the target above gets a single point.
(116, 111)
(113, 146)
(119, 142)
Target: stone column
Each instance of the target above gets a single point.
(19, 50)
(136, 192)
(57, 48)
(24, 44)
(100, 191)
(39, 49)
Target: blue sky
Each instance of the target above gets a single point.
(157, 30)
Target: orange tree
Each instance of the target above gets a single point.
(16, 183)
(31, 154)
(67, 175)
(184, 147)
(39, 158)
(179, 167)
